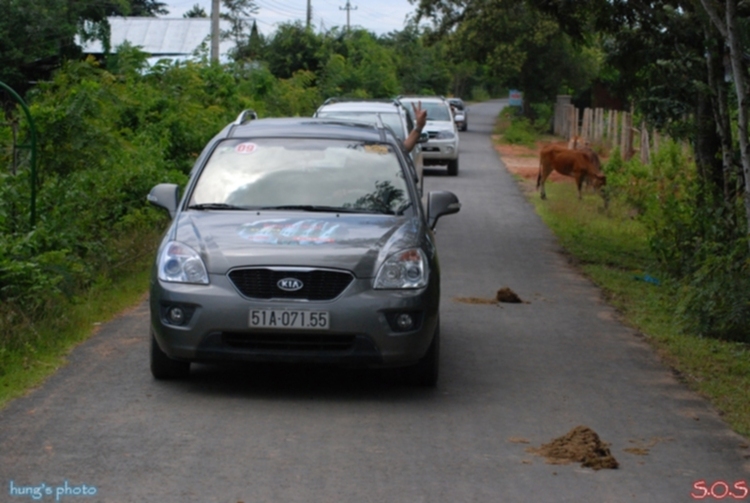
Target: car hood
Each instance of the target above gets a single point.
(355, 242)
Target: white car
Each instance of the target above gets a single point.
(442, 146)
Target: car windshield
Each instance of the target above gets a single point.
(391, 120)
(304, 174)
(437, 111)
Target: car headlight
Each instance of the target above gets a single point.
(444, 135)
(178, 263)
(405, 269)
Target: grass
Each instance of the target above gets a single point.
(64, 327)
(611, 248)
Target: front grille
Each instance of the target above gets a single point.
(318, 284)
(288, 342)
(432, 134)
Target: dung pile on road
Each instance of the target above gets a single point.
(505, 294)
(579, 445)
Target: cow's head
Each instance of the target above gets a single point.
(598, 180)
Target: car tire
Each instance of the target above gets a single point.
(425, 372)
(453, 167)
(164, 367)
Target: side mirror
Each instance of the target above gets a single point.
(440, 203)
(165, 195)
(423, 137)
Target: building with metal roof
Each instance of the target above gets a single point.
(171, 38)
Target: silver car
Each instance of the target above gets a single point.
(299, 240)
(460, 113)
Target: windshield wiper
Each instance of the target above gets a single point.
(216, 206)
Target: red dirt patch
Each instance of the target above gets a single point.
(474, 300)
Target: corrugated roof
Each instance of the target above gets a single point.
(160, 36)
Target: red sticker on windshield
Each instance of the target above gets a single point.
(245, 148)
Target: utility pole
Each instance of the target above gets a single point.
(309, 13)
(215, 30)
(348, 8)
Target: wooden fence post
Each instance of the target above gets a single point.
(645, 150)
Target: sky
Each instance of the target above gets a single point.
(378, 16)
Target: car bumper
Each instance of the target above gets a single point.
(360, 332)
(439, 151)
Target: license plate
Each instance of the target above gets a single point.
(287, 318)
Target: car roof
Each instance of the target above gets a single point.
(421, 98)
(362, 106)
(308, 127)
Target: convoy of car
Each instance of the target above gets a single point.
(442, 146)
(300, 240)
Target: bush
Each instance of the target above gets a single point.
(515, 128)
(697, 239)
(713, 300)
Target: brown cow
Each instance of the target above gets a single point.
(580, 164)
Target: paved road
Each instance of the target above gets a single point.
(518, 373)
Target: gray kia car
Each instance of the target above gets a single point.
(299, 240)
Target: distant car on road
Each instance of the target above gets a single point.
(442, 146)
(299, 240)
(460, 113)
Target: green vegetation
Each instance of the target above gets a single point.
(40, 345)
(622, 249)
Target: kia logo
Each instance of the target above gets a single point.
(290, 284)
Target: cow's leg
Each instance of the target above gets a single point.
(580, 177)
(543, 174)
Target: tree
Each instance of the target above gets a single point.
(238, 14)
(37, 35)
(253, 49)
(292, 48)
(728, 25)
(196, 11)
(518, 44)
(421, 68)
(147, 8)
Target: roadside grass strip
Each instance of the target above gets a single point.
(610, 247)
(67, 324)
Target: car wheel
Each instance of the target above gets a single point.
(164, 367)
(453, 167)
(425, 372)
